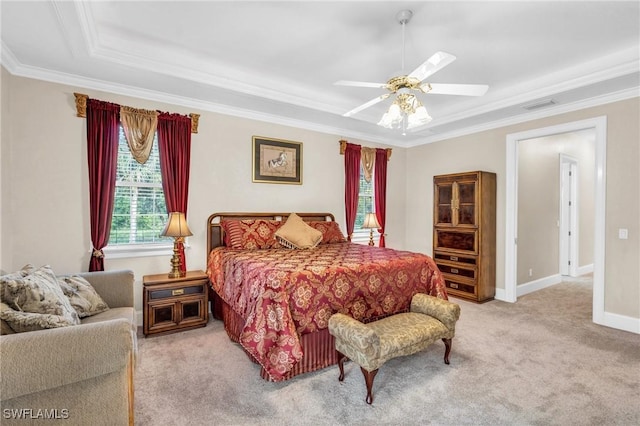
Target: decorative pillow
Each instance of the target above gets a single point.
(35, 291)
(331, 232)
(251, 233)
(82, 296)
(295, 233)
(20, 321)
(5, 328)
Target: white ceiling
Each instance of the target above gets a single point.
(277, 61)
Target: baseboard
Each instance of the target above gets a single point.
(585, 269)
(538, 284)
(501, 295)
(621, 322)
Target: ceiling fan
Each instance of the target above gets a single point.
(405, 87)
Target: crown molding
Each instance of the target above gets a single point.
(36, 73)
(15, 68)
(547, 112)
(8, 59)
(10, 62)
(542, 88)
(191, 68)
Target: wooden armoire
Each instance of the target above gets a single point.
(464, 233)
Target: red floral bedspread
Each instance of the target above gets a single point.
(284, 293)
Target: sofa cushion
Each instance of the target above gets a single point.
(127, 313)
(35, 291)
(114, 313)
(82, 296)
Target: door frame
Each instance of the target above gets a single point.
(599, 124)
(568, 214)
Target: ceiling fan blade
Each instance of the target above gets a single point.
(432, 65)
(360, 84)
(366, 105)
(455, 89)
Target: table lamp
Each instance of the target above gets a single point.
(371, 222)
(177, 228)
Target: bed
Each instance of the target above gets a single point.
(276, 302)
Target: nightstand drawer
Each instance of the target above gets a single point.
(178, 291)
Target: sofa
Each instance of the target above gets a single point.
(80, 374)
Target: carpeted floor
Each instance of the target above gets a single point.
(540, 361)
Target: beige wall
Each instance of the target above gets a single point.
(538, 201)
(487, 150)
(46, 206)
(44, 198)
(4, 146)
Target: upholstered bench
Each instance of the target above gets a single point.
(371, 345)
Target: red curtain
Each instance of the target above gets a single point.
(102, 153)
(380, 188)
(174, 146)
(351, 185)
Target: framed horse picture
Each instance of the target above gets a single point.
(277, 161)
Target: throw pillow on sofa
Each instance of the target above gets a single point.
(83, 297)
(35, 291)
(28, 321)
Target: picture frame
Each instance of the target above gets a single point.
(276, 161)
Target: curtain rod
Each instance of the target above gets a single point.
(81, 111)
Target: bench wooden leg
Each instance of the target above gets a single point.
(341, 359)
(368, 379)
(447, 351)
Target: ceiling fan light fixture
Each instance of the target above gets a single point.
(419, 118)
(406, 112)
(392, 118)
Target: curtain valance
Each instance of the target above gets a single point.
(343, 147)
(81, 111)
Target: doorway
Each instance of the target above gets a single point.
(599, 125)
(569, 208)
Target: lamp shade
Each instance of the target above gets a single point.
(176, 226)
(370, 221)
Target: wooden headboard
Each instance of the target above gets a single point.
(215, 235)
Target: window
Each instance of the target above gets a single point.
(365, 205)
(139, 211)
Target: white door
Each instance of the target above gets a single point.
(568, 222)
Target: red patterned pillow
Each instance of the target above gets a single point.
(251, 234)
(331, 232)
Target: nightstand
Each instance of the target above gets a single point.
(174, 304)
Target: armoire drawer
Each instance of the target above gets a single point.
(465, 241)
(459, 288)
(458, 269)
(470, 260)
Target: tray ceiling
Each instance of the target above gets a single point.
(277, 61)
